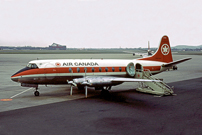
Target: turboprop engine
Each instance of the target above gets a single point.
(101, 81)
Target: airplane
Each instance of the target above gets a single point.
(101, 74)
(149, 52)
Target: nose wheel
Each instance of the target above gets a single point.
(36, 93)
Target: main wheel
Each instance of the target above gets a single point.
(36, 93)
(174, 67)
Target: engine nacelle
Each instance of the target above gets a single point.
(79, 80)
(99, 82)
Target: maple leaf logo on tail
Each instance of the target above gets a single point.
(165, 49)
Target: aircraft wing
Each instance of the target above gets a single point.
(104, 80)
(133, 80)
(175, 62)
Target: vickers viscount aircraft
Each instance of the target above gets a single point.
(99, 73)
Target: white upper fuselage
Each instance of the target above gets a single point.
(92, 63)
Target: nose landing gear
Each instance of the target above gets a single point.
(36, 93)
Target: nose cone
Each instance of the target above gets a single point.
(15, 79)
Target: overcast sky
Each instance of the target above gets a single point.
(100, 23)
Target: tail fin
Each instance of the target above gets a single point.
(163, 54)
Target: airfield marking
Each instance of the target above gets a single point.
(21, 93)
(8, 99)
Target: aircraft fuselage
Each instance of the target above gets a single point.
(63, 70)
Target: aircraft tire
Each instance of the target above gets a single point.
(36, 93)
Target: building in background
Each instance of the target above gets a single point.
(55, 46)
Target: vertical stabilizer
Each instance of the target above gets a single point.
(163, 54)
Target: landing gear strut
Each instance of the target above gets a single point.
(36, 93)
(107, 88)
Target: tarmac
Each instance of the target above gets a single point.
(124, 111)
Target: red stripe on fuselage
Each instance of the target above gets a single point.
(59, 70)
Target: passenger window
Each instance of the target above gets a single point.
(100, 69)
(106, 69)
(93, 69)
(85, 69)
(78, 70)
(120, 69)
(70, 70)
(113, 69)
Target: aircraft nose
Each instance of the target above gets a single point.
(14, 79)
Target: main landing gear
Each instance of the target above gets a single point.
(36, 93)
(105, 91)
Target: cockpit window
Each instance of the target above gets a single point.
(32, 65)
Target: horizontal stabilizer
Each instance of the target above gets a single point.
(175, 62)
